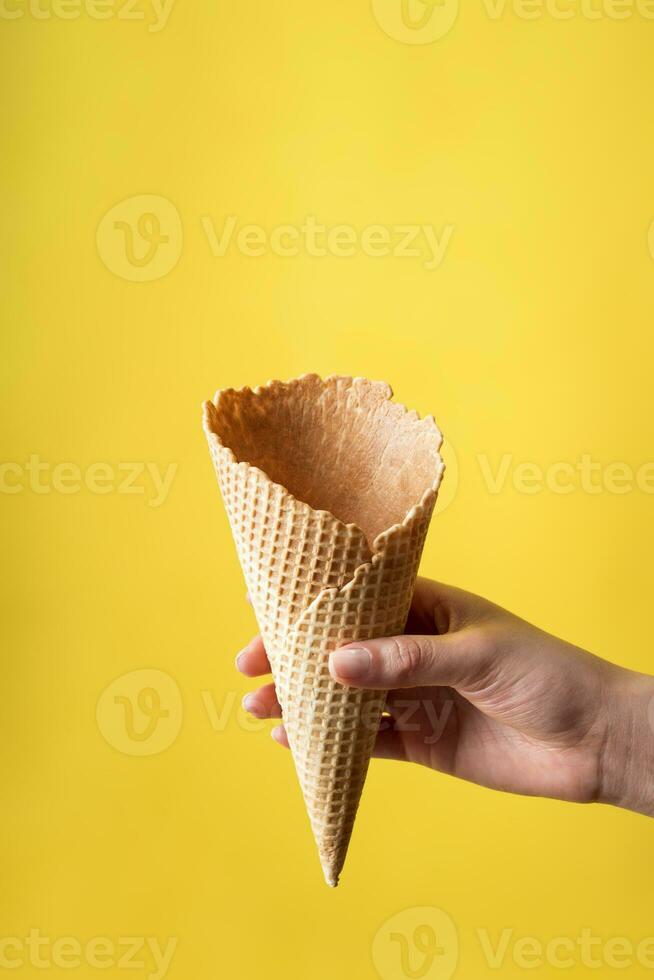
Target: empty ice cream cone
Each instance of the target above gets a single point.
(329, 487)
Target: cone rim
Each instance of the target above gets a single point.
(376, 546)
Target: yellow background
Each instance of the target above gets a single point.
(533, 139)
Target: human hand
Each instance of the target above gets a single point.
(478, 693)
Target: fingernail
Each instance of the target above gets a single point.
(238, 658)
(352, 664)
(251, 704)
(277, 734)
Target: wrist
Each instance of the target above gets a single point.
(627, 754)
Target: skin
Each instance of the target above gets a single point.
(479, 693)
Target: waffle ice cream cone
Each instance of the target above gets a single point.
(329, 487)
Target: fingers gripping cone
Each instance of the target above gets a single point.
(329, 487)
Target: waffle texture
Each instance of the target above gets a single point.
(329, 488)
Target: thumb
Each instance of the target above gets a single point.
(409, 661)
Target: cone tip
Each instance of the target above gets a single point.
(331, 874)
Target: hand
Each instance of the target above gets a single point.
(478, 693)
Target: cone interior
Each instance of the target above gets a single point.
(339, 445)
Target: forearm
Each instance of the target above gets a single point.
(627, 758)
